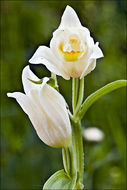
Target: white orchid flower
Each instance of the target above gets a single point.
(72, 51)
(46, 109)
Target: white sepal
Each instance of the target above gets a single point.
(69, 18)
(44, 55)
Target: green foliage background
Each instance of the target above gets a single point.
(26, 162)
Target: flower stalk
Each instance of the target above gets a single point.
(75, 85)
(66, 160)
(80, 96)
(73, 157)
(76, 149)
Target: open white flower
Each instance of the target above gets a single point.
(46, 109)
(72, 51)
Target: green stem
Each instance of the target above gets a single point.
(74, 92)
(80, 96)
(78, 146)
(70, 155)
(70, 115)
(76, 149)
(73, 171)
(66, 160)
(53, 76)
(73, 157)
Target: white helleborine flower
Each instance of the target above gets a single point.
(72, 51)
(46, 109)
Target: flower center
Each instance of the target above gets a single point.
(72, 50)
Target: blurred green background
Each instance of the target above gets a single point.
(26, 162)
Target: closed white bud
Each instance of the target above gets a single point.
(46, 109)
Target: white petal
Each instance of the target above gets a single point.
(40, 121)
(44, 55)
(69, 18)
(33, 110)
(35, 113)
(53, 135)
(97, 53)
(54, 106)
(90, 68)
(85, 36)
(23, 101)
(89, 41)
(27, 84)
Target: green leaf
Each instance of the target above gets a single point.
(98, 94)
(60, 180)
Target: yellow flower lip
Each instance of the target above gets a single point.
(70, 56)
